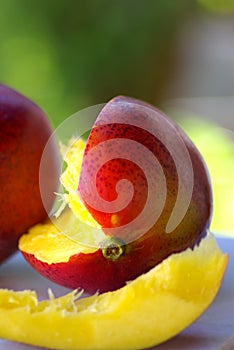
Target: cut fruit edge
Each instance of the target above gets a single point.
(145, 312)
(73, 156)
(58, 240)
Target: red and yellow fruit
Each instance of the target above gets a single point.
(109, 260)
(80, 249)
(24, 132)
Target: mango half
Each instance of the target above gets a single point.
(138, 191)
(147, 311)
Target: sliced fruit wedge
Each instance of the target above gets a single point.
(145, 312)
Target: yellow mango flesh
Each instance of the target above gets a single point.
(48, 244)
(73, 155)
(147, 311)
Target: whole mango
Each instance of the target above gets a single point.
(24, 132)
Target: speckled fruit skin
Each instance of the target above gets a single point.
(156, 244)
(197, 219)
(93, 272)
(24, 132)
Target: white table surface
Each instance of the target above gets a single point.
(209, 332)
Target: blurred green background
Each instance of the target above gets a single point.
(68, 55)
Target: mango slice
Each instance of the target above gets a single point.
(146, 311)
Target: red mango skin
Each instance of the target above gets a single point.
(93, 272)
(197, 219)
(24, 132)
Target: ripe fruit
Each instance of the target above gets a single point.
(114, 150)
(143, 194)
(24, 132)
(147, 311)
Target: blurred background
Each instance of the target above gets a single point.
(177, 55)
